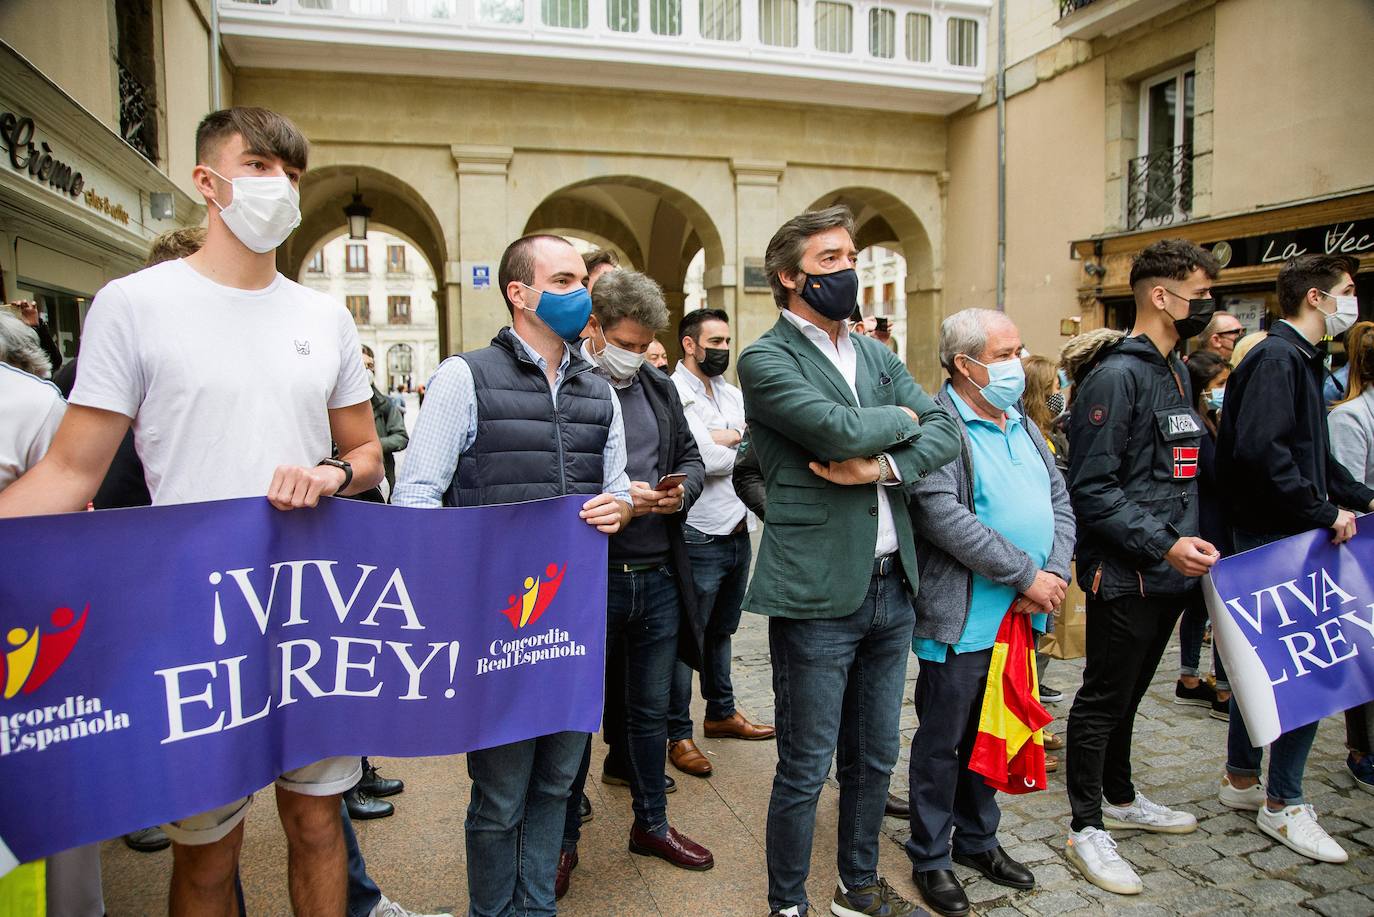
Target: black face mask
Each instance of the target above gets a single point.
(714, 361)
(833, 295)
(1200, 312)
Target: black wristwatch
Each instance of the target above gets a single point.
(343, 466)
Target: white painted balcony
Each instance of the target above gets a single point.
(926, 56)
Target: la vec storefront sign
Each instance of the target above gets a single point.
(1347, 237)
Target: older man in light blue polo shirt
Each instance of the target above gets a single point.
(995, 534)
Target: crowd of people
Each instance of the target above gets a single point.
(896, 523)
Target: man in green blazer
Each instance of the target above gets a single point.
(839, 425)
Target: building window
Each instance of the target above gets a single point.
(399, 366)
(834, 27)
(778, 23)
(622, 15)
(889, 295)
(501, 11)
(398, 310)
(720, 20)
(316, 263)
(355, 259)
(665, 17)
(565, 14)
(962, 37)
(395, 259)
(1160, 182)
(882, 33)
(357, 307)
(918, 37)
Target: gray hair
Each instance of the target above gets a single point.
(629, 294)
(785, 249)
(966, 332)
(20, 348)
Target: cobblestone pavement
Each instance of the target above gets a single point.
(1226, 867)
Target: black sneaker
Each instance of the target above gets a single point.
(1221, 710)
(1204, 695)
(879, 900)
(1050, 695)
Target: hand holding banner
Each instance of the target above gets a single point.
(160, 662)
(1294, 622)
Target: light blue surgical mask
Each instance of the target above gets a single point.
(1006, 382)
(566, 314)
(1215, 397)
(1064, 380)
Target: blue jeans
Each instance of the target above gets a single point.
(946, 797)
(643, 610)
(363, 894)
(1190, 630)
(1287, 753)
(837, 685)
(519, 794)
(720, 573)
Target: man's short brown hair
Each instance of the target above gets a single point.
(263, 131)
(785, 249)
(176, 243)
(596, 259)
(1306, 272)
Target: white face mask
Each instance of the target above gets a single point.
(620, 364)
(263, 212)
(1346, 314)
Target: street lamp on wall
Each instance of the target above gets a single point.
(358, 214)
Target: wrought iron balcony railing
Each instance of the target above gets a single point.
(137, 119)
(1160, 188)
(1069, 6)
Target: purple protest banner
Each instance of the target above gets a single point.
(1294, 621)
(160, 662)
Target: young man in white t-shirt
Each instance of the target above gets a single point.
(235, 380)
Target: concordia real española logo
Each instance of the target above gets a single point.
(523, 610)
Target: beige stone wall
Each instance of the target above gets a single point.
(71, 43)
(185, 86)
(734, 170)
(1292, 114)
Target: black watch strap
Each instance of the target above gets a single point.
(346, 468)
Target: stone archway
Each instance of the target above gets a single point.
(658, 228)
(881, 218)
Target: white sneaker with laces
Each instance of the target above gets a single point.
(1250, 799)
(1094, 853)
(1143, 815)
(1296, 827)
(388, 908)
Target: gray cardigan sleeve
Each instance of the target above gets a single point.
(944, 521)
(1352, 440)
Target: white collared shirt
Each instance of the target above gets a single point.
(717, 511)
(846, 360)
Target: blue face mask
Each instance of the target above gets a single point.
(1064, 381)
(1006, 382)
(832, 295)
(1215, 396)
(566, 314)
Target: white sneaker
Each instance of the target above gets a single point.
(1250, 799)
(1094, 853)
(388, 908)
(1143, 815)
(1296, 827)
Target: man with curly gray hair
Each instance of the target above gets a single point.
(20, 347)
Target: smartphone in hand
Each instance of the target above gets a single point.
(669, 481)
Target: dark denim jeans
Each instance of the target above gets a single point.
(837, 685)
(948, 799)
(519, 794)
(720, 573)
(643, 610)
(1190, 630)
(363, 894)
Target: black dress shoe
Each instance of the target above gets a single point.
(897, 807)
(998, 867)
(941, 890)
(584, 809)
(362, 806)
(377, 786)
(611, 778)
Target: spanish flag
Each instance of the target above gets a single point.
(1010, 749)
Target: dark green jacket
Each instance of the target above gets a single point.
(816, 557)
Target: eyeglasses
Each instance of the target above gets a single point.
(1234, 332)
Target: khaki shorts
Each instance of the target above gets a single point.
(323, 778)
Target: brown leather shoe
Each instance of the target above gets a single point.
(687, 758)
(567, 862)
(1051, 763)
(737, 727)
(675, 848)
(1053, 742)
